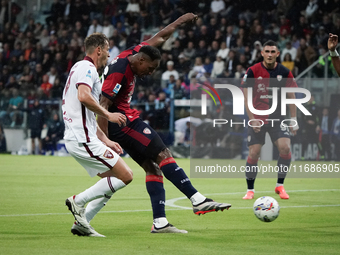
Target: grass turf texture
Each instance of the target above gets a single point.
(34, 219)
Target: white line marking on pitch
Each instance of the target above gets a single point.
(171, 203)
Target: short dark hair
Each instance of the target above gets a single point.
(152, 52)
(93, 41)
(270, 43)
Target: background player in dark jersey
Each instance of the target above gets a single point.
(332, 44)
(138, 139)
(264, 77)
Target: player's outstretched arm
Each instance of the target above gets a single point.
(163, 35)
(86, 98)
(332, 43)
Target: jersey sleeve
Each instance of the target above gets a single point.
(291, 81)
(112, 84)
(131, 51)
(86, 76)
(136, 48)
(248, 79)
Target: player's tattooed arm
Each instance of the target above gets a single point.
(113, 145)
(102, 122)
(163, 35)
(86, 98)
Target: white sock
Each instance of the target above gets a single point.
(94, 207)
(160, 222)
(279, 184)
(253, 190)
(197, 198)
(106, 186)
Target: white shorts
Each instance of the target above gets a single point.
(94, 156)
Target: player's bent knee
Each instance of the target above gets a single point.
(151, 168)
(128, 177)
(125, 175)
(285, 150)
(254, 154)
(164, 154)
(154, 172)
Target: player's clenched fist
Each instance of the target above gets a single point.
(118, 118)
(256, 125)
(332, 42)
(189, 17)
(115, 147)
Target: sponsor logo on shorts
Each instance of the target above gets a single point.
(108, 154)
(147, 131)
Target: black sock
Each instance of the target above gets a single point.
(283, 163)
(154, 186)
(177, 176)
(251, 172)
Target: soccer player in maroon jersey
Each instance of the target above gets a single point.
(332, 43)
(137, 138)
(263, 78)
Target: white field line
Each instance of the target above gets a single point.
(171, 203)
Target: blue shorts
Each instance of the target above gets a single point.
(275, 132)
(138, 139)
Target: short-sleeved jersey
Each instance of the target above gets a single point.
(80, 122)
(119, 83)
(262, 80)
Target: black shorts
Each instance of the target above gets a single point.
(138, 139)
(275, 132)
(35, 133)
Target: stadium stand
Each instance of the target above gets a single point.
(38, 48)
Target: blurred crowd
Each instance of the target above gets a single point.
(35, 57)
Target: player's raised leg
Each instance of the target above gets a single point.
(251, 169)
(283, 145)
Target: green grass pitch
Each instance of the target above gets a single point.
(34, 219)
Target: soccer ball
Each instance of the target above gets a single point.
(266, 209)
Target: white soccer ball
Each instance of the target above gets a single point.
(266, 209)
